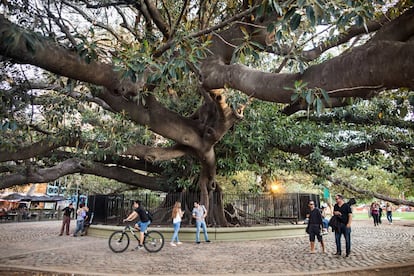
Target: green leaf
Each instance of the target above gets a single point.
(289, 13)
(258, 45)
(295, 21)
(310, 14)
(326, 96)
(309, 97)
(276, 7)
(403, 112)
(319, 106)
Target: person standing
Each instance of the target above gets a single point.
(80, 219)
(199, 214)
(67, 213)
(379, 213)
(388, 208)
(142, 223)
(375, 213)
(326, 216)
(315, 225)
(344, 214)
(87, 222)
(177, 215)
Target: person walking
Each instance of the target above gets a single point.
(344, 214)
(67, 213)
(314, 227)
(199, 214)
(388, 208)
(176, 215)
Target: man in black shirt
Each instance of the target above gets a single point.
(314, 227)
(344, 213)
(67, 212)
(142, 223)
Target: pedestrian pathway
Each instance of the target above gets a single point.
(34, 248)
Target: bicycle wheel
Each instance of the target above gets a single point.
(118, 241)
(153, 241)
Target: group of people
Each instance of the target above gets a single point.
(82, 220)
(342, 213)
(199, 213)
(318, 221)
(375, 211)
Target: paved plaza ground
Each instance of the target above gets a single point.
(34, 248)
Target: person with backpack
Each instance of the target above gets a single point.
(199, 214)
(142, 223)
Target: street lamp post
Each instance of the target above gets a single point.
(275, 189)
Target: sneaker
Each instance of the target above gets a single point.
(60, 234)
(139, 247)
(198, 242)
(208, 241)
(172, 244)
(179, 243)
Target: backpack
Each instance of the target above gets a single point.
(149, 215)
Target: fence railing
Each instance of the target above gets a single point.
(249, 209)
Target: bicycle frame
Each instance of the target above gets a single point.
(119, 240)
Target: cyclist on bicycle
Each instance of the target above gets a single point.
(142, 223)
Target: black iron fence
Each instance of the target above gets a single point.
(244, 209)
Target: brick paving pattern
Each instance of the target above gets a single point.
(34, 248)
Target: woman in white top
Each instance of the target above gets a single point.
(177, 214)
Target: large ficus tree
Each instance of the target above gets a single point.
(143, 91)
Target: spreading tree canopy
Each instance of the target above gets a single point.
(147, 91)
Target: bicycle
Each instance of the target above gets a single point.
(119, 240)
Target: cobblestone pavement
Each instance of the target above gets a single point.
(34, 248)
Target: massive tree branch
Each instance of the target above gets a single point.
(74, 165)
(36, 149)
(352, 149)
(65, 62)
(153, 154)
(348, 185)
(355, 74)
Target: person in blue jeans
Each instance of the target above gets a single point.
(199, 214)
(344, 213)
(80, 219)
(176, 215)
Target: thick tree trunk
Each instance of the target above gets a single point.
(217, 216)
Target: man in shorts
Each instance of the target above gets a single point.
(314, 227)
(142, 223)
